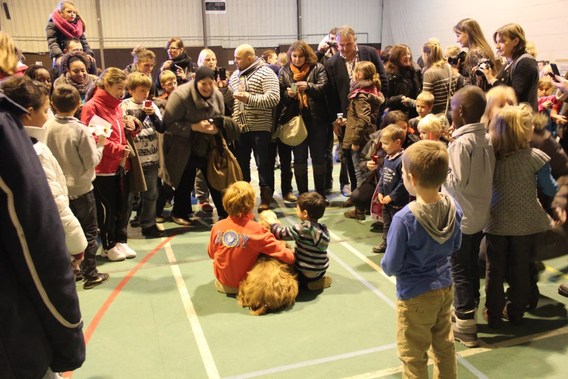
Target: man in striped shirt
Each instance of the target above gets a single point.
(253, 92)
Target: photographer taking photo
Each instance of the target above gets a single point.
(327, 47)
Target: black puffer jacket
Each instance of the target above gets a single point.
(317, 86)
(406, 83)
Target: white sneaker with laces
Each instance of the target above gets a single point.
(126, 250)
(114, 254)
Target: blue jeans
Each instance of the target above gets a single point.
(465, 273)
(147, 209)
(257, 142)
(360, 175)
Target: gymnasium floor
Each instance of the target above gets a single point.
(159, 316)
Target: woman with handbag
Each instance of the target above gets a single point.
(439, 78)
(303, 83)
(194, 126)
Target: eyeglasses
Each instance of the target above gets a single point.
(173, 48)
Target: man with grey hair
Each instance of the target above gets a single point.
(253, 92)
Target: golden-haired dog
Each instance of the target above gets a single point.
(270, 285)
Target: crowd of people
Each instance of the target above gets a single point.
(441, 153)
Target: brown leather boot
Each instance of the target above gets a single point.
(265, 198)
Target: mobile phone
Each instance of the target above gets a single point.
(147, 103)
(375, 158)
(554, 68)
(553, 76)
(293, 87)
(174, 67)
(222, 73)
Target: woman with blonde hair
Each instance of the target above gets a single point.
(497, 98)
(8, 58)
(439, 78)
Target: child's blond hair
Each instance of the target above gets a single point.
(426, 97)
(239, 198)
(495, 96)
(393, 132)
(428, 163)
(138, 79)
(369, 72)
(432, 125)
(545, 84)
(511, 130)
(167, 75)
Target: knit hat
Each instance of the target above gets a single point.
(204, 72)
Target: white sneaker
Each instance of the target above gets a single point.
(114, 254)
(126, 250)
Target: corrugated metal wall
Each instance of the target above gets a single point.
(263, 23)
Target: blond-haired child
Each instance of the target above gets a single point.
(422, 239)
(430, 127)
(497, 97)
(424, 105)
(511, 230)
(391, 191)
(237, 241)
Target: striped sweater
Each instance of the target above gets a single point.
(312, 239)
(262, 85)
(437, 81)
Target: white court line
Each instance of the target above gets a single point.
(333, 358)
(201, 341)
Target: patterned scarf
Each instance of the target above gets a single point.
(299, 75)
(366, 86)
(71, 30)
(81, 87)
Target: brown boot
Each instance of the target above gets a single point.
(355, 214)
(265, 198)
(319, 284)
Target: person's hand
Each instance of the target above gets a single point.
(204, 126)
(355, 147)
(371, 166)
(488, 72)
(560, 120)
(166, 65)
(560, 218)
(381, 198)
(386, 199)
(301, 86)
(323, 46)
(129, 123)
(291, 93)
(101, 140)
(181, 74)
(221, 83)
(547, 104)
(561, 84)
(407, 101)
(149, 110)
(337, 128)
(127, 151)
(341, 121)
(242, 96)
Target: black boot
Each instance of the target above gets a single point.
(319, 178)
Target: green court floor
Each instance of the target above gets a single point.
(159, 316)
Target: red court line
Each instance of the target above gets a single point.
(88, 333)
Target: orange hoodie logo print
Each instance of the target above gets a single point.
(230, 238)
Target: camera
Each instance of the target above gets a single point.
(332, 43)
(217, 121)
(483, 65)
(174, 67)
(460, 58)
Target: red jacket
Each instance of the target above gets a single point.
(108, 108)
(236, 243)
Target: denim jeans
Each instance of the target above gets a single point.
(85, 209)
(424, 321)
(147, 207)
(360, 175)
(257, 142)
(465, 273)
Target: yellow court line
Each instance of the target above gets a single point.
(556, 272)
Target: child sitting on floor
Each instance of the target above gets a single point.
(312, 239)
(237, 241)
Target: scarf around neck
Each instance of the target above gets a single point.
(71, 30)
(366, 86)
(300, 74)
(82, 88)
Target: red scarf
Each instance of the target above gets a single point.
(71, 30)
(299, 75)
